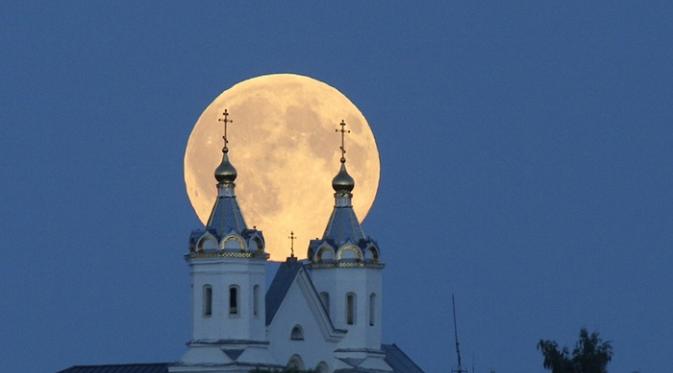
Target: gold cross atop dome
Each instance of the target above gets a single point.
(225, 119)
(292, 237)
(343, 131)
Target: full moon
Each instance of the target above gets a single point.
(284, 146)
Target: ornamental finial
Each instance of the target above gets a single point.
(225, 119)
(225, 173)
(292, 237)
(343, 135)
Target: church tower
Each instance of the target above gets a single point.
(228, 277)
(346, 269)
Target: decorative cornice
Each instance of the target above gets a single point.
(227, 254)
(225, 342)
(346, 264)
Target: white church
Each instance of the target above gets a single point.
(322, 314)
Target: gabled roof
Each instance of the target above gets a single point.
(119, 368)
(281, 284)
(279, 287)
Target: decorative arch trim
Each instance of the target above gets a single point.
(203, 240)
(240, 243)
(349, 248)
(322, 250)
(374, 251)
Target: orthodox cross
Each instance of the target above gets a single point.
(226, 121)
(343, 134)
(292, 237)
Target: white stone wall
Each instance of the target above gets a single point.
(362, 282)
(220, 274)
(297, 310)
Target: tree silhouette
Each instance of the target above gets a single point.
(590, 355)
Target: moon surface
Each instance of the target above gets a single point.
(284, 146)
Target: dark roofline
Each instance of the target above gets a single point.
(395, 346)
(75, 368)
(279, 287)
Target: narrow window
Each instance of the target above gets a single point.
(297, 333)
(207, 300)
(255, 300)
(324, 296)
(233, 300)
(350, 309)
(372, 309)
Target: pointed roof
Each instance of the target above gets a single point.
(226, 216)
(343, 226)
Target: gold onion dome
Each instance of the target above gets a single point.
(225, 172)
(343, 182)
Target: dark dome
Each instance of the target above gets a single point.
(343, 182)
(225, 172)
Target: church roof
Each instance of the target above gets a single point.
(119, 368)
(279, 287)
(281, 284)
(343, 226)
(395, 357)
(226, 217)
(398, 360)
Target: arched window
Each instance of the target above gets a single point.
(325, 253)
(371, 254)
(349, 253)
(255, 300)
(297, 333)
(296, 363)
(207, 243)
(233, 243)
(350, 308)
(207, 301)
(324, 296)
(233, 300)
(322, 367)
(372, 309)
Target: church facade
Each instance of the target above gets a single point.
(320, 314)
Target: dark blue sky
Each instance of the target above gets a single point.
(526, 166)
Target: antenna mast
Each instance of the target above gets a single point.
(459, 369)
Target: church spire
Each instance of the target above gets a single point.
(343, 225)
(226, 216)
(225, 173)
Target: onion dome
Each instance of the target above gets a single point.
(225, 172)
(343, 182)
(344, 242)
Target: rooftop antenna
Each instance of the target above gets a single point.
(459, 369)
